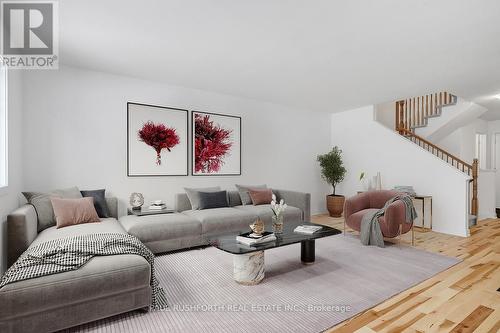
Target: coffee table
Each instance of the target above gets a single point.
(248, 261)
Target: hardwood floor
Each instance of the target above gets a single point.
(463, 298)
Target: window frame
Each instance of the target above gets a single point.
(481, 149)
(4, 127)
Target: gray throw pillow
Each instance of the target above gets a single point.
(43, 206)
(194, 197)
(243, 191)
(100, 204)
(213, 199)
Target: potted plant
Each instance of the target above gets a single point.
(333, 172)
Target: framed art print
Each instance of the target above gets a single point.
(157, 141)
(216, 144)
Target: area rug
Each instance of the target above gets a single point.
(347, 278)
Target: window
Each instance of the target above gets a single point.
(481, 150)
(3, 128)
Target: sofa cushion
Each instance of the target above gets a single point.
(265, 213)
(210, 200)
(100, 204)
(101, 276)
(261, 197)
(243, 191)
(110, 225)
(43, 206)
(69, 212)
(160, 227)
(194, 197)
(220, 220)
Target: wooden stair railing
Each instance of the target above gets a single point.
(414, 112)
(469, 169)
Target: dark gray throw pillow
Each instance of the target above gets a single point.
(99, 202)
(194, 198)
(43, 206)
(213, 200)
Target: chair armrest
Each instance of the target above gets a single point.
(22, 229)
(300, 200)
(395, 215)
(355, 204)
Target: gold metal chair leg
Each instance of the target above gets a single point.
(412, 236)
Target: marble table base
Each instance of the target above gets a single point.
(249, 268)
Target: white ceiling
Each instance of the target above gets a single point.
(323, 55)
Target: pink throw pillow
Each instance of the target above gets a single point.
(261, 197)
(74, 211)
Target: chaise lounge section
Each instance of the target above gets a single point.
(105, 286)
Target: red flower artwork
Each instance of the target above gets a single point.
(211, 144)
(159, 137)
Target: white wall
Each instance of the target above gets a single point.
(486, 194)
(453, 143)
(494, 151)
(468, 145)
(462, 141)
(371, 147)
(385, 113)
(76, 134)
(452, 117)
(9, 198)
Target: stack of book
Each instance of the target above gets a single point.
(157, 205)
(250, 240)
(307, 229)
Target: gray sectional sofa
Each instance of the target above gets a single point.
(190, 228)
(111, 285)
(104, 287)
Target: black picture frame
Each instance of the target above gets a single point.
(193, 162)
(186, 140)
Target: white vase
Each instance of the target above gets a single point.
(378, 183)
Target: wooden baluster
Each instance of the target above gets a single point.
(406, 114)
(445, 101)
(408, 127)
(417, 121)
(432, 105)
(434, 111)
(413, 115)
(421, 110)
(396, 121)
(475, 174)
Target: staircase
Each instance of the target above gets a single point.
(413, 113)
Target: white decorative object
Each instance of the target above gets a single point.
(136, 200)
(249, 268)
(370, 185)
(378, 183)
(278, 210)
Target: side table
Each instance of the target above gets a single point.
(425, 218)
(147, 211)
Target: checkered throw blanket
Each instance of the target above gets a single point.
(71, 253)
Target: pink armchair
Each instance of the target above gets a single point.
(392, 224)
